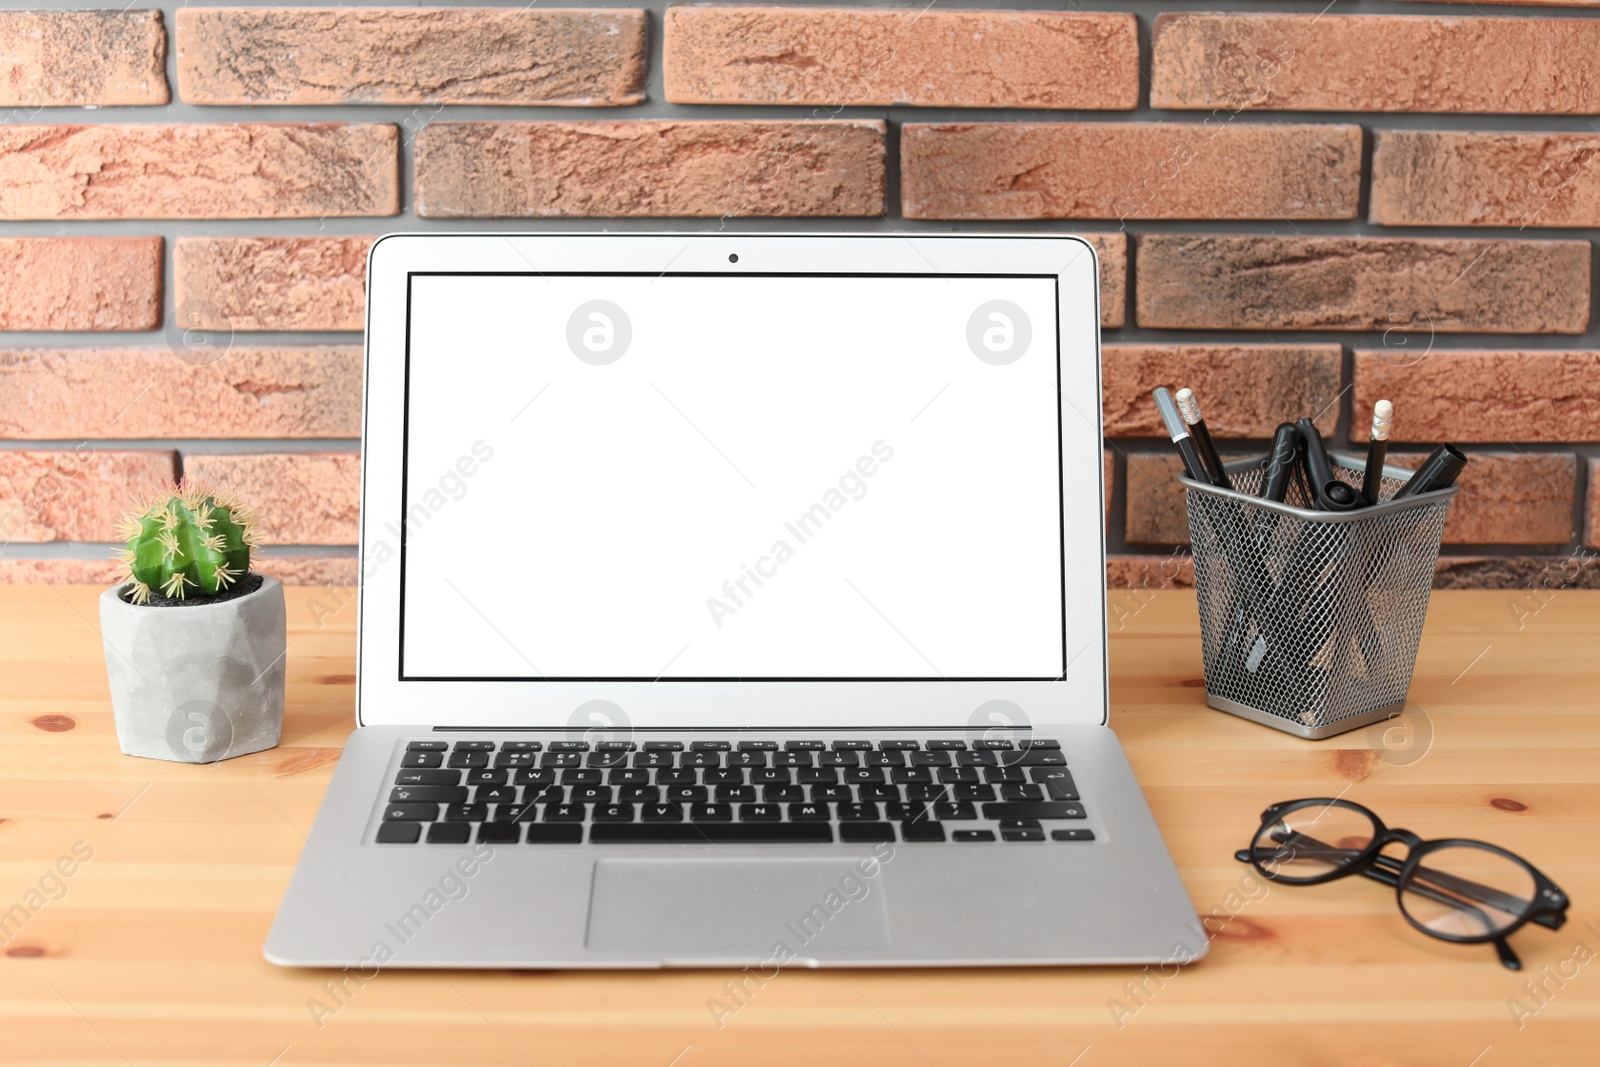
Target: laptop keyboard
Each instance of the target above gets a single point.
(726, 792)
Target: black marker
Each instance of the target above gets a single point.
(1190, 408)
(1281, 464)
(1438, 471)
(1179, 432)
(1329, 492)
(1377, 449)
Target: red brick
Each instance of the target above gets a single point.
(1110, 475)
(1156, 511)
(82, 58)
(1459, 395)
(1325, 62)
(271, 283)
(1174, 570)
(1244, 390)
(1456, 178)
(80, 283)
(327, 572)
(650, 168)
(98, 571)
(1111, 249)
(1421, 285)
(410, 56)
(1510, 498)
(299, 498)
(195, 171)
(1591, 526)
(837, 57)
(1105, 170)
(73, 393)
(74, 495)
(1537, 576)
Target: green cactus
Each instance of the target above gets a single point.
(186, 539)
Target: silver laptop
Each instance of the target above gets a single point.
(732, 600)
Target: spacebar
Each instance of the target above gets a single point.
(701, 833)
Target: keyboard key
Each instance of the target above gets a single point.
(972, 835)
(710, 812)
(958, 775)
(496, 794)
(663, 746)
(1039, 757)
(713, 833)
(500, 833)
(545, 834)
(422, 759)
(783, 794)
(1072, 835)
(1021, 792)
(838, 759)
(590, 794)
(759, 813)
(1043, 743)
(899, 746)
(879, 792)
(957, 810)
(863, 775)
(945, 746)
(905, 812)
(638, 794)
(852, 746)
(864, 831)
(1005, 775)
(769, 776)
(803, 746)
(931, 759)
(973, 792)
(569, 746)
(534, 776)
(428, 777)
(858, 813)
(550, 794)
(816, 776)
(710, 746)
(735, 794)
(883, 759)
(606, 759)
(521, 746)
(469, 759)
(474, 746)
(687, 794)
(449, 833)
(616, 746)
(514, 812)
(563, 812)
(673, 776)
(613, 813)
(808, 812)
(792, 759)
(516, 759)
(911, 776)
(663, 813)
(488, 776)
(427, 746)
(831, 793)
(628, 776)
(993, 744)
(583, 777)
(983, 758)
(1057, 782)
(1022, 835)
(561, 759)
(466, 812)
(1019, 824)
(931, 792)
(922, 830)
(653, 759)
(400, 833)
(1033, 810)
(722, 776)
(747, 759)
(432, 794)
(758, 746)
(700, 759)
(411, 813)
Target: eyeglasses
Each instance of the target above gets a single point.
(1466, 891)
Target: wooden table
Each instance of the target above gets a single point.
(152, 953)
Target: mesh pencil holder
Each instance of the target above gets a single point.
(1310, 619)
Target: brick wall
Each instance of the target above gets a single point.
(1297, 210)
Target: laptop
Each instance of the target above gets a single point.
(732, 600)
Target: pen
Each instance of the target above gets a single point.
(1438, 471)
(1377, 448)
(1190, 408)
(1329, 492)
(1178, 430)
(1281, 463)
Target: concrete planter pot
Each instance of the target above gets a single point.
(199, 682)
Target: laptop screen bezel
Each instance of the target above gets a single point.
(384, 697)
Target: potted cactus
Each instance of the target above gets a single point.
(194, 640)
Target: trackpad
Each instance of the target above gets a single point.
(744, 907)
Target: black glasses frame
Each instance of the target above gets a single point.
(1548, 908)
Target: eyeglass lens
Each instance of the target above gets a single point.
(1466, 892)
(1312, 841)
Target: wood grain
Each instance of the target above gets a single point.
(152, 954)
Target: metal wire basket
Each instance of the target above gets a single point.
(1310, 619)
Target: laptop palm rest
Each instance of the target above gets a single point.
(737, 906)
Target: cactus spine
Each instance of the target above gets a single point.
(187, 540)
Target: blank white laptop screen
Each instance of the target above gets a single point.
(732, 477)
